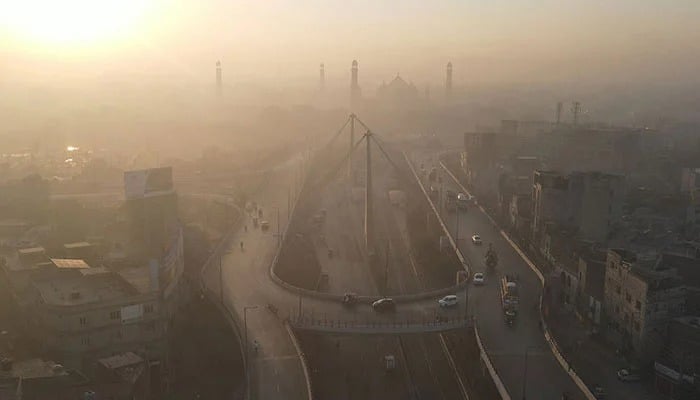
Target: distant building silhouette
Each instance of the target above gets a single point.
(397, 93)
(448, 81)
(355, 93)
(322, 77)
(218, 78)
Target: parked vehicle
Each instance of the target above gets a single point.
(385, 304)
(628, 375)
(264, 225)
(599, 392)
(448, 301)
(476, 239)
(479, 279)
(349, 299)
(434, 193)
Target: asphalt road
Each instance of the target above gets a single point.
(519, 353)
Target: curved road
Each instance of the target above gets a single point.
(519, 353)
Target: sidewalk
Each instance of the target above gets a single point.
(593, 360)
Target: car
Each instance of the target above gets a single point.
(448, 301)
(628, 375)
(599, 392)
(384, 304)
(479, 279)
(476, 239)
(264, 225)
(349, 299)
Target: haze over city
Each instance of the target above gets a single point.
(449, 199)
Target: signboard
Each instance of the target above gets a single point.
(132, 313)
(148, 182)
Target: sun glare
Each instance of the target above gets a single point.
(70, 21)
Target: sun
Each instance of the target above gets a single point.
(70, 21)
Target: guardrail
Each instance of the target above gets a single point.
(547, 335)
(302, 359)
(381, 327)
(502, 391)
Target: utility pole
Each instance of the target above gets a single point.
(386, 266)
(369, 211)
(352, 144)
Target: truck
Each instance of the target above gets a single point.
(451, 201)
(509, 297)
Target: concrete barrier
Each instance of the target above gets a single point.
(547, 335)
(502, 391)
(302, 359)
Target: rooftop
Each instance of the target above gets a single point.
(78, 289)
(121, 360)
(35, 368)
(69, 263)
(77, 245)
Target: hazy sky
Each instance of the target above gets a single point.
(278, 40)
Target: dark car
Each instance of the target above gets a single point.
(385, 304)
(349, 299)
(628, 375)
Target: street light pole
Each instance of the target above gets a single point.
(245, 339)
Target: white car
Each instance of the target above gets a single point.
(448, 301)
(476, 239)
(479, 279)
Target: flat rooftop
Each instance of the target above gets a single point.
(79, 289)
(77, 245)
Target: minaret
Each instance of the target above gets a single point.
(322, 77)
(354, 87)
(218, 78)
(448, 81)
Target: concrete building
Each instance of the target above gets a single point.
(121, 377)
(641, 297)
(151, 204)
(590, 202)
(677, 369)
(591, 271)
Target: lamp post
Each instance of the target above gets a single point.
(245, 339)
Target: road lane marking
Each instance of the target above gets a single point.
(450, 360)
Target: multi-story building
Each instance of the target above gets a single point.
(678, 367)
(641, 296)
(591, 202)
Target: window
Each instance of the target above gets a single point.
(617, 309)
(636, 326)
(85, 341)
(618, 290)
(83, 321)
(638, 305)
(115, 315)
(148, 308)
(628, 298)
